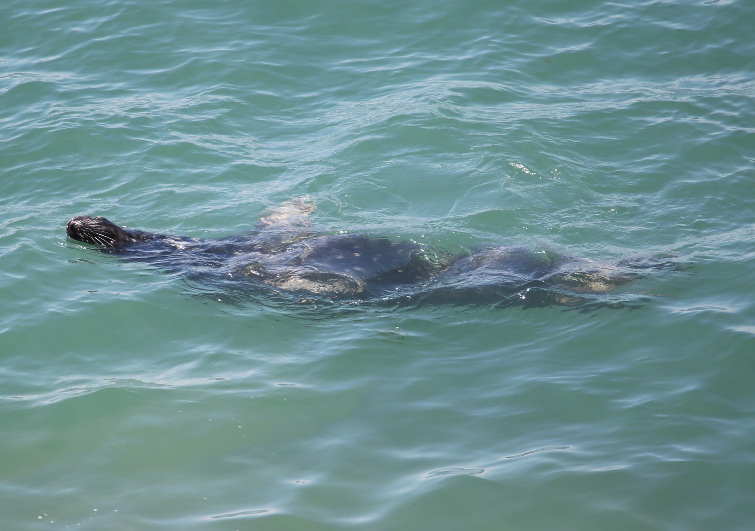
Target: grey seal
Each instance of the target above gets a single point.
(284, 254)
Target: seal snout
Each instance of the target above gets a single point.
(79, 227)
(74, 226)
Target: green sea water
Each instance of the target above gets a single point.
(131, 399)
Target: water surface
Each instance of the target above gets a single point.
(130, 399)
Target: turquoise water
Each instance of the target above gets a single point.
(131, 399)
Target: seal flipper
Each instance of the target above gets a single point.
(286, 224)
(289, 212)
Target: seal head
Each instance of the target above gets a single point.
(103, 232)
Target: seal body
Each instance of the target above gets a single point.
(284, 254)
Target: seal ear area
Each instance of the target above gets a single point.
(100, 231)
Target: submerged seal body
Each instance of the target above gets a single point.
(284, 254)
